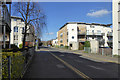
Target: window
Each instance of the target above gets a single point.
(15, 29)
(61, 34)
(119, 26)
(92, 26)
(61, 45)
(119, 45)
(61, 41)
(67, 40)
(92, 31)
(119, 6)
(72, 29)
(15, 37)
(72, 37)
(23, 29)
(67, 33)
(98, 31)
(5, 37)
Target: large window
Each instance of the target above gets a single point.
(61, 34)
(15, 37)
(15, 29)
(61, 41)
(23, 29)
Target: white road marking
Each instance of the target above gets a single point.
(95, 67)
(61, 55)
(60, 66)
(78, 61)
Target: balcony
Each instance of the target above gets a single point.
(81, 33)
(110, 41)
(82, 39)
(96, 34)
(5, 16)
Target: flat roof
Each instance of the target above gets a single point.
(106, 25)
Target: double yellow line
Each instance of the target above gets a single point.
(71, 67)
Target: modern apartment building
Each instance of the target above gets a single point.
(74, 34)
(18, 28)
(5, 23)
(116, 27)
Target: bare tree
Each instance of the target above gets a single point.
(31, 14)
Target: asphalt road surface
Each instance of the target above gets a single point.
(52, 63)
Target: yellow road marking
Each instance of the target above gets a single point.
(72, 68)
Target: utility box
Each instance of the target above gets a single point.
(94, 44)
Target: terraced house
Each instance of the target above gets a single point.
(116, 27)
(74, 34)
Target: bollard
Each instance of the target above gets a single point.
(9, 67)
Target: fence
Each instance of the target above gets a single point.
(105, 51)
(87, 49)
(15, 65)
(102, 51)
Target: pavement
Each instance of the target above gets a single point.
(54, 63)
(92, 56)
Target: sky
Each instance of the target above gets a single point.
(59, 13)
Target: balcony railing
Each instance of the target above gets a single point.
(110, 40)
(91, 33)
(82, 39)
(6, 15)
(81, 33)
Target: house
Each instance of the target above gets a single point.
(17, 33)
(116, 27)
(74, 34)
(55, 42)
(5, 24)
(17, 27)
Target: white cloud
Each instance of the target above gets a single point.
(51, 33)
(98, 13)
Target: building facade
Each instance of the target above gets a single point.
(116, 27)
(74, 34)
(17, 33)
(55, 42)
(5, 24)
(17, 27)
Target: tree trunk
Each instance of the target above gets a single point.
(24, 39)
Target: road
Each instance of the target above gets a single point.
(52, 63)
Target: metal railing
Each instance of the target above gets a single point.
(91, 33)
(15, 66)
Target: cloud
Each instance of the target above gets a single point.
(51, 33)
(98, 13)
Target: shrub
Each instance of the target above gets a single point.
(87, 44)
(17, 65)
(20, 46)
(66, 47)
